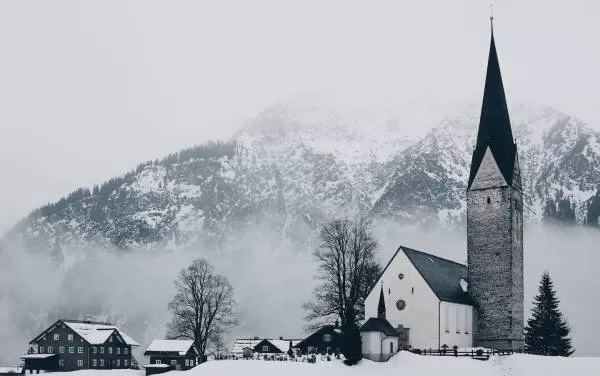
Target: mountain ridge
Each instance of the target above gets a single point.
(297, 166)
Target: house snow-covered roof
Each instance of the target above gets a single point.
(241, 343)
(96, 333)
(157, 366)
(171, 346)
(11, 369)
(281, 344)
(284, 344)
(38, 356)
(379, 324)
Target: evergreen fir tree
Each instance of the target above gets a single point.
(351, 346)
(547, 332)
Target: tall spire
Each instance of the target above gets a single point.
(494, 124)
(381, 306)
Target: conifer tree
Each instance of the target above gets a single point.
(547, 332)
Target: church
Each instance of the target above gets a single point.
(440, 302)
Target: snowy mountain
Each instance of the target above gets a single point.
(294, 166)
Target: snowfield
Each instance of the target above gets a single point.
(403, 363)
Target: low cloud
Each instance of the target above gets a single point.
(271, 275)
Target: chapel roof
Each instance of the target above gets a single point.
(379, 324)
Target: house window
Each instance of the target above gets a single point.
(50, 350)
(69, 337)
(125, 363)
(118, 362)
(173, 363)
(118, 349)
(94, 363)
(95, 350)
(80, 363)
(458, 320)
(265, 348)
(43, 338)
(80, 350)
(101, 362)
(157, 361)
(489, 201)
(125, 351)
(57, 337)
(401, 276)
(110, 339)
(187, 362)
(61, 362)
(400, 304)
(447, 320)
(71, 350)
(391, 347)
(467, 321)
(110, 350)
(41, 349)
(101, 350)
(327, 338)
(61, 349)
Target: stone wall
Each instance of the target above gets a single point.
(495, 260)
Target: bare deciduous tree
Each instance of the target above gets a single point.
(347, 271)
(203, 307)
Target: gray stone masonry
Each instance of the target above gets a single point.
(495, 261)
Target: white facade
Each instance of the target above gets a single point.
(424, 314)
(456, 325)
(377, 347)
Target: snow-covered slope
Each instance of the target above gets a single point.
(294, 166)
(403, 363)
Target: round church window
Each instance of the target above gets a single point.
(400, 304)
(400, 276)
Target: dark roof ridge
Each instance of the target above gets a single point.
(411, 249)
(432, 255)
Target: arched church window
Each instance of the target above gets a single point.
(489, 201)
(400, 304)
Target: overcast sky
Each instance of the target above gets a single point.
(89, 89)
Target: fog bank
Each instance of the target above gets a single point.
(271, 276)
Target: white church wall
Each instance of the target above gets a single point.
(387, 349)
(456, 324)
(421, 311)
(371, 344)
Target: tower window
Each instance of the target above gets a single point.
(489, 201)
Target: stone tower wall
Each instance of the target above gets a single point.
(495, 260)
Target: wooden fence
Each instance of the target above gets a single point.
(480, 354)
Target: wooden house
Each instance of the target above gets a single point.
(327, 338)
(167, 355)
(70, 345)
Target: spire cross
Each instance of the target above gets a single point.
(492, 14)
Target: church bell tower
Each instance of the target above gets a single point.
(495, 222)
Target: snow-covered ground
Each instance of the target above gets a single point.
(403, 363)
